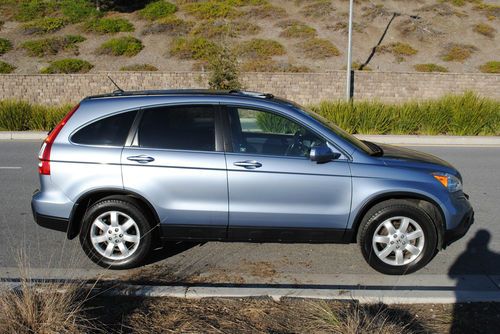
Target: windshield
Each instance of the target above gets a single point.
(340, 132)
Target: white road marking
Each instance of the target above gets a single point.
(9, 167)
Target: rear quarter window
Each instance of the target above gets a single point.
(109, 131)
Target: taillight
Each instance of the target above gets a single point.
(44, 154)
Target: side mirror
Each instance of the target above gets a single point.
(322, 154)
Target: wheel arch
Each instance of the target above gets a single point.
(429, 205)
(87, 199)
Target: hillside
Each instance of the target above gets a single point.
(265, 35)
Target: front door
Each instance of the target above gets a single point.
(276, 193)
(177, 162)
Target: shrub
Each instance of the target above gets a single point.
(108, 25)
(67, 66)
(485, 30)
(157, 9)
(266, 11)
(21, 116)
(224, 71)
(28, 10)
(220, 29)
(270, 65)
(52, 45)
(77, 10)
(491, 11)
(193, 48)
(139, 68)
(357, 66)
(260, 48)
(6, 68)
(398, 49)
(44, 25)
(5, 46)
(296, 29)
(170, 25)
(490, 67)
(318, 8)
(318, 48)
(211, 9)
(122, 46)
(430, 68)
(457, 52)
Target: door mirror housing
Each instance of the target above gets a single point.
(322, 154)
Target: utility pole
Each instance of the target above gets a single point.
(349, 52)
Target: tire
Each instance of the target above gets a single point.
(130, 236)
(403, 251)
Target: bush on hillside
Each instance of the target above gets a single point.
(490, 67)
(6, 68)
(485, 30)
(67, 66)
(271, 65)
(52, 45)
(171, 25)
(296, 29)
(139, 68)
(458, 52)
(258, 48)
(224, 70)
(43, 26)
(318, 48)
(430, 68)
(5, 46)
(108, 25)
(122, 46)
(157, 9)
(198, 48)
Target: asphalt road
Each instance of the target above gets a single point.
(49, 254)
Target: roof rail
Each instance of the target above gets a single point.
(117, 93)
(252, 94)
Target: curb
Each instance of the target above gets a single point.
(458, 141)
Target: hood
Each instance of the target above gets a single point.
(397, 154)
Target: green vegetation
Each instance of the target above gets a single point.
(158, 9)
(466, 114)
(398, 49)
(198, 48)
(108, 25)
(271, 123)
(139, 68)
(6, 68)
(430, 68)
(211, 9)
(77, 10)
(458, 52)
(221, 29)
(44, 25)
(5, 46)
(296, 29)
(266, 11)
(270, 65)
(52, 45)
(122, 46)
(259, 49)
(318, 8)
(318, 48)
(224, 70)
(71, 10)
(28, 10)
(485, 30)
(67, 66)
(171, 25)
(490, 67)
(21, 116)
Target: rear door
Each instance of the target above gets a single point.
(276, 193)
(176, 161)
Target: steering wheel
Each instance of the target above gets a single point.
(297, 148)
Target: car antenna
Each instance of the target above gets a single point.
(118, 90)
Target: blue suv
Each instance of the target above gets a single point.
(128, 170)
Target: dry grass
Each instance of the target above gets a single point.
(485, 30)
(267, 11)
(399, 50)
(139, 68)
(270, 65)
(258, 48)
(430, 68)
(296, 29)
(318, 48)
(490, 67)
(458, 52)
(318, 9)
(420, 29)
(171, 25)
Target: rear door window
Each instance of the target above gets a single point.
(178, 128)
(109, 131)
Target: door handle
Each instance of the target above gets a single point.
(248, 164)
(143, 159)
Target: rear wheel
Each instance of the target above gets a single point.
(397, 237)
(116, 234)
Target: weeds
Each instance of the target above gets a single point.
(317, 48)
(53, 45)
(5, 46)
(139, 68)
(207, 10)
(430, 68)
(198, 48)
(222, 29)
(21, 116)
(270, 65)
(171, 25)
(296, 29)
(67, 66)
(318, 9)
(158, 9)
(266, 11)
(258, 48)
(6, 68)
(122, 46)
(108, 25)
(485, 30)
(43, 26)
(490, 67)
(224, 71)
(458, 52)
(398, 50)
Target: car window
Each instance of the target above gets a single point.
(179, 128)
(262, 132)
(109, 131)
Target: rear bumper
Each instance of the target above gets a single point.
(450, 236)
(50, 222)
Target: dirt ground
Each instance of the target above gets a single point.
(426, 25)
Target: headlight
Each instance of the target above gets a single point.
(450, 182)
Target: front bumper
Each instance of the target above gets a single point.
(452, 235)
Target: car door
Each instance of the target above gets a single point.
(276, 193)
(176, 161)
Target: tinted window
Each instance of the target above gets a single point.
(261, 132)
(178, 128)
(110, 131)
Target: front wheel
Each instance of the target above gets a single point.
(397, 237)
(115, 234)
